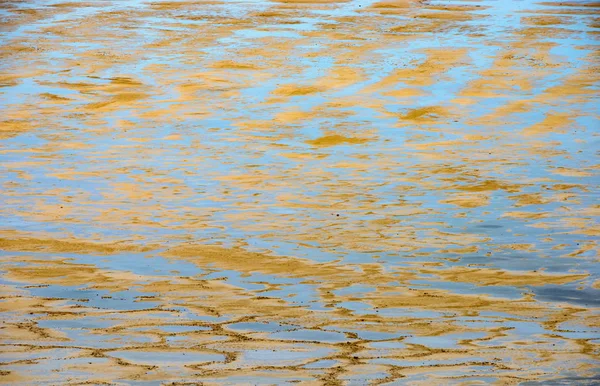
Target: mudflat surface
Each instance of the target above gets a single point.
(299, 192)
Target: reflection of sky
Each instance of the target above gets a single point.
(222, 155)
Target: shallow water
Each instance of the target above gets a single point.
(302, 191)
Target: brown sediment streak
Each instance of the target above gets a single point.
(13, 128)
(485, 277)
(336, 139)
(296, 90)
(437, 62)
(468, 200)
(550, 124)
(66, 246)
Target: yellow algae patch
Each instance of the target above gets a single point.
(563, 187)
(212, 81)
(61, 272)
(311, 1)
(296, 90)
(336, 139)
(444, 300)
(553, 122)
(116, 102)
(586, 247)
(450, 16)
(245, 179)
(216, 298)
(422, 25)
(425, 113)
(590, 4)
(570, 172)
(54, 97)
(71, 4)
(471, 249)
(489, 185)
(9, 80)
(77, 86)
(493, 277)
(132, 191)
(124, 81)
(526, 215)
(578, 85)
(472, 200)
(455, 8)
(545, 20)
(13, 128)
(397, 7)
(303, 156)
(426, 72)
(405, 93)
(13, 378)
(244, 261)
(73, 175)
(472, 137)
(232, 65)
(529, 199)
(173, 4)
(21, 301)
(30, 331)
(269, 14)
(339, 77)
(67, 246)
(393, 4)
(294, 116)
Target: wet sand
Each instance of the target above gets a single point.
(299, 192)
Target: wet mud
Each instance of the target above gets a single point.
(312, 192)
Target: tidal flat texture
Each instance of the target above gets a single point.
(307, 192)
